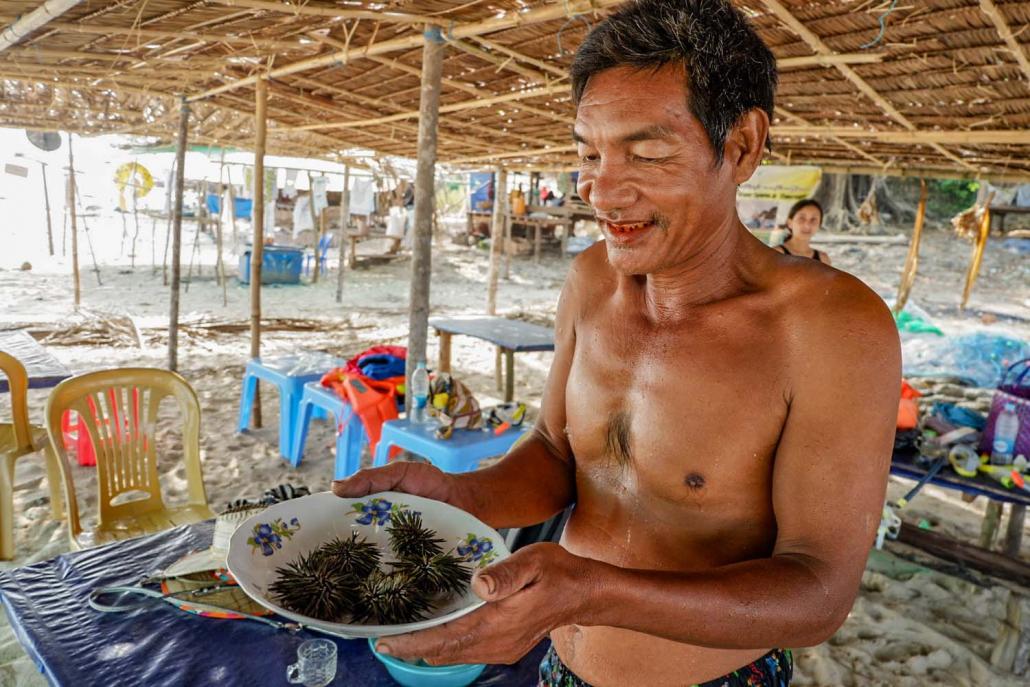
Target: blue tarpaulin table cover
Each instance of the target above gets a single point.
(160, 646)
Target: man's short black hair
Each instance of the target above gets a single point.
(729, 69)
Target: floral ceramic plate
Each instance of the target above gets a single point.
(287, 530)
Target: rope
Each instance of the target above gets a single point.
(883, 27)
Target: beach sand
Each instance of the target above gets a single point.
(910, 625)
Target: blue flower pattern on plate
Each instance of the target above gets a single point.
(479, 549)
(377, 511)
(269, 536)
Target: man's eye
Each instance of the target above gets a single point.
(589, 157)
(641, 158)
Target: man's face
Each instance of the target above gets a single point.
(648, 170)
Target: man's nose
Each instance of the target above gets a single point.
(610, 189)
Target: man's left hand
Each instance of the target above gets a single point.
(528, 594)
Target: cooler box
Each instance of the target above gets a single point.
(279, 265)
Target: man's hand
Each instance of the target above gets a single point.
(420, 479)
(528, 594)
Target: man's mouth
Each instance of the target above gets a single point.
(627, 231)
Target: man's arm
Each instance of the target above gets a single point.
(535, 480)
(829, 481)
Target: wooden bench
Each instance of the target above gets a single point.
(355, 238)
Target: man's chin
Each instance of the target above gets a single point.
(630, 262)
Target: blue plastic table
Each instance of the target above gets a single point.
(44, 370)
(290, 373)
(159, 646)
(461, 453)
(510, 336)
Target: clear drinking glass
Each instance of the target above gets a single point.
(316, 664)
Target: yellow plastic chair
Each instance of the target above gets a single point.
(118, 409)
(18, 438)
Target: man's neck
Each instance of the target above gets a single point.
(718, 269)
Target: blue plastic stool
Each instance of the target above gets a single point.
(461, 453)
(289, 373)
(348, 442)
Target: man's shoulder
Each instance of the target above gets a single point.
(590, 272)
(830, 309)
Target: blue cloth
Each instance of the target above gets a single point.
(160, 646)
(381, 366)
(956, 415)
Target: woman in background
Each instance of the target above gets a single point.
(803, 221)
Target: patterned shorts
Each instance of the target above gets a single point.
(772, 670)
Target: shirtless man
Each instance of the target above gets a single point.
(726, 450)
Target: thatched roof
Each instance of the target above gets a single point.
(946, 90)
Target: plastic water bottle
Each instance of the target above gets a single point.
(419, 394)
(1006, 429)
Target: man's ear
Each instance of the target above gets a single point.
(745, 144)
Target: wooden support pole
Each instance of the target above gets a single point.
(257, 246)
(506, 243)
(219, 262)
(344, 221)
(1014, 530)
(908, 276)
(135, 220)
(71, 215)
(232, 210)
(496, 237)
(425, 180)
(316, 225)
(180, 174)
(46, 203)
(989, 526)
(168, 225)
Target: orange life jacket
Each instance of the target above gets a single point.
(373, 401)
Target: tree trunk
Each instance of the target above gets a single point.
(180, 168)
(421, 265)
(257, 247)
(496, 238)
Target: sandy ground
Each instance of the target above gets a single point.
(910, 625)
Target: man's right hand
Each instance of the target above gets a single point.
(420, 479)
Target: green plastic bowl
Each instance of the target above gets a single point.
(410, 675)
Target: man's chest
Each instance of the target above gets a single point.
(686, 412)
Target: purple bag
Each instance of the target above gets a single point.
(1015, 389)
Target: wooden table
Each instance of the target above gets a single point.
(510, 337)
(1000, 211)
(43, 369)
(538, 224)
